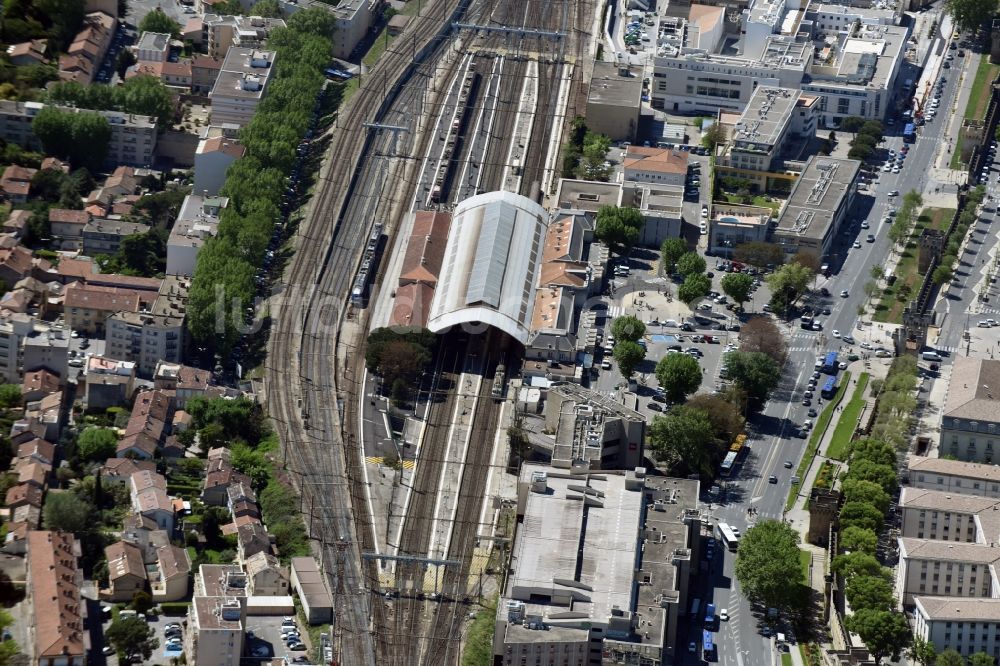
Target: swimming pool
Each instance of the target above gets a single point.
(729, 220)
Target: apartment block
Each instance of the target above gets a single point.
(216, 620)
(152, 47)
(945, 568)
(133, 137)
(102, 236)
(613, 101)
(154, 335)
(57, 635)
(197, 221)
(577, 595)
(965, 625)
(946, 516)
(955, 476)
(220, 33)
(970, 420)
(241, 85)
(212, 158)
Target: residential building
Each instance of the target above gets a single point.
(150, 499)
(659, 166)
(24, 494)
(101, 236)
(197, 221)
(211, 160)
(152, 336)
(38, 450)
(16, 183)
(592, 430)
(204, 73)
(954, 476)
(17, 222)
(732, 225)
(219, 476)
(133, 137)
(87, 307)
(38, 384)
(251, 539)
(152, 47)
(970, 419)
(47, 412)
(215, 631)
(169, 579)
(819, 203)
(775, 121)
(43, 348)
(85, 54)
(613, 101)
(945, 516)
(221, 33)
(965, 625)
(28, 53)
(265, 576)
(576, 591)
(185, 381)
(945, 568)
(147, 427)
(311, 587)
(57, 635)
(109, 383)
(126, 572)
(17, 263)
(241, 85)
(120, 470)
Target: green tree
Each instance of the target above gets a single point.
(148, 96)
(671, 250)
(266, 8)
(725, 414)
(628, 355)
(9, 648)
(885, 633)
(10, 396)
(65, 16)
(759, 254)
(788, 283)
(857, 490)
(123, 61)
(922, 652)
(618, 227)
(853, 538)
(313, 21)
(65, 512)
(684, 440)
(970, 14)
(132, 637)
(866, 470)
(97, 444)
(859, 564)
(760, 334)
(738, 286)
(981, 659)
(852, 123)
(871, 592)
(694, 288)
(713, 136)
(679, 375)
(861, 514)
(628, 328)
(392, 355)
(754, 372)
(158, 21)
(141, 601)
(949, 657)
(942, 274)
(691, 264)
(768, 567)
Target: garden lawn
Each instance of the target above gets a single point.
(848, 421)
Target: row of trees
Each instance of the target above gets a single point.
(80, 138)
(256, 183)
(143, 95)
(966, 219)
(906, 218)
(867, 489)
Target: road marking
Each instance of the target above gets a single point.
(379, 460)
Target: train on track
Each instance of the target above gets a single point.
(369, 266)
(499, 383)
(453, 142)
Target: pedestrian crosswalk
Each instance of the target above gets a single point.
(379, 460)
(946, 348)
(615, 311)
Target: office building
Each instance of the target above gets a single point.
(817, 207)
(592, 430)
(600, 566)
(613, 101)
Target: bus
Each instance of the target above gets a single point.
(728, 537)
(709, 616)
(695, 607)
(830, 365)
(909, 133)
(829, 388)
(728, 465)
(707, 646)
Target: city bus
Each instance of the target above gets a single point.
(830, 364)
(728, 537)
(727, 465)
(829, 388)
(909, 133)
(738, 450)
(707, 646)
(695, 607)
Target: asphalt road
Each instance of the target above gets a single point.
(739, 641)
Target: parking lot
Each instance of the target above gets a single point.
(671, 327)
(264, 640)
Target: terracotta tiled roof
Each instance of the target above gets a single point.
(660, 160)
(68, 216)
(104, 299)
(173, 562)
(18, 220)
(220, 144)
(58, 620)
(425, 248)
(412, 305)
(37, 448)
(40, 380)
(35, 473)
(124, 559)
(124, 468)
(24, 494)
